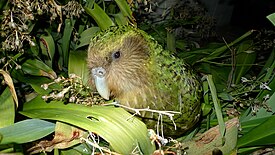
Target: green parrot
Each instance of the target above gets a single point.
(129, 66)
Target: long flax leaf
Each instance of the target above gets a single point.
(216, 104)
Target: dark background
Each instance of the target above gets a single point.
(245, 14)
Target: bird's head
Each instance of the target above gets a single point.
(118, 60)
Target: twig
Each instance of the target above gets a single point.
(170, 114)
(136, 150)
(101, 149)
(233, 63)
(161, 125)
(137, 111)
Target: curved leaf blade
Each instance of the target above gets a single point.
(26, 131)
(244, 60)
(48, 48)
(66, 39)
(38, 68)
(125, 9)
(115, 125)
(271, 18)
(85, 36)
(263, 134)
(120, 19)
(7, 108)
(8, 80)
(77, 65)
(100, 17)
(217, 105)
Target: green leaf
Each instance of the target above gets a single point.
(65, 41)
(7, 108)
(271, 18)
(120, 19)
(60, 59)
(251, 124)
(35, 49)
(47, 46)
(65, 137)
(78, 65)
(262, 112)
(123, 131)
(35, 82)
(26, 131)
(269, 77)
(219, 74)
(81, 149)
(206, 106)
(171, 41)
(64, 132)
(72, 152)
(271, 85)
(244, 60)
(38, 68)
(100, 17)
(2, 4)
(226, 96)
(262, 134)
(268, 64)
(8, 80)
(205, 91)
(217, 52)
(259, 129)
(125, 9)
(85, 36)
(216, 104)
(197, 54)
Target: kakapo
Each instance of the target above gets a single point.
(128, 65)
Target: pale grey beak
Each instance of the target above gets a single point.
(99, 75)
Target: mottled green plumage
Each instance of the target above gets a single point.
(139, 73)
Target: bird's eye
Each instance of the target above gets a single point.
(116, 55)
